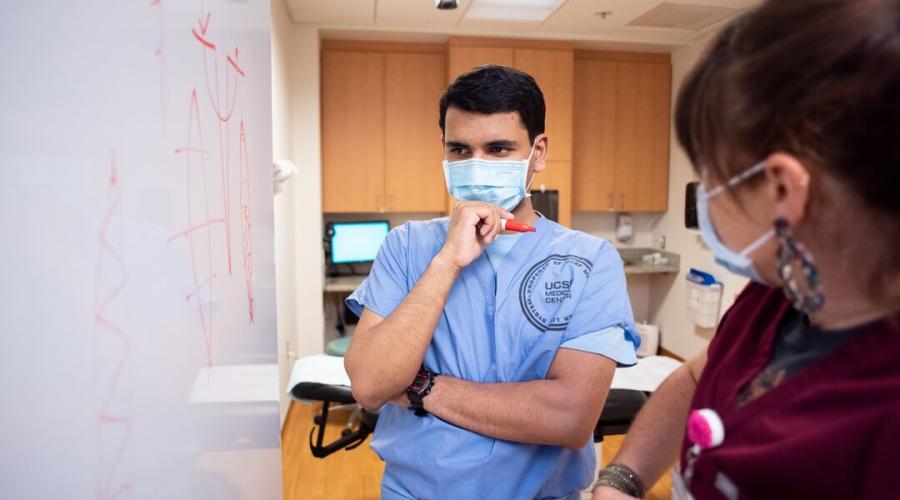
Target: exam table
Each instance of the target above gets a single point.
(322, 378)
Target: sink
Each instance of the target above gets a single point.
(632, 258)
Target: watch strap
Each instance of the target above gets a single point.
(416, 394)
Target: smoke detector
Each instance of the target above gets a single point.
(446, 4)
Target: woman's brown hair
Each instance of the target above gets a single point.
(819, 79)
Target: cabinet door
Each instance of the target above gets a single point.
(642, 136)
(553, 70)
(353, 132)
(465, 58)
(594, 148)
(414, 179)
(558, 175)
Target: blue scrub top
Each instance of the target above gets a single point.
(554, 288)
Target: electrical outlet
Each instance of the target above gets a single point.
(289, 353)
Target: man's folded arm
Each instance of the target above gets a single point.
(561, 410)
(386, 353)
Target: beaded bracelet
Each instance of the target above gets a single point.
(622, 478)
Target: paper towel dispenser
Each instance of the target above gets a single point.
(546, 201)
(690, 205)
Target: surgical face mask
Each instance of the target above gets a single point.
(498, 182)
(737, 262)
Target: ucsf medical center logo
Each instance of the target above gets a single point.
(548, 288)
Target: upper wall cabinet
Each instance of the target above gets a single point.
(553, 70)
(381, 148)
(621, 138)
(463, 56)
(353, 131)
(414, 178)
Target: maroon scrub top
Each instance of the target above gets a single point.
(830, 431)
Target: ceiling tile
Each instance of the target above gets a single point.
(420, 14)
(581, 16)
(684, 16)
(573, 20)
(737, 4)
(653, 35)
(341, 12)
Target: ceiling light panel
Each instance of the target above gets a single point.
(513, 10)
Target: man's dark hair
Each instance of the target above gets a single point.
(497, 89)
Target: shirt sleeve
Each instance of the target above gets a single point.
(386, 285)
(602, 322)
(612, 342)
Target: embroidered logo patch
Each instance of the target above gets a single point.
(546, 290)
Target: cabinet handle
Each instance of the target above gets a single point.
(621, 201)
(390, 201)
(378, 205)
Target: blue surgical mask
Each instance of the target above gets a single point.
(737, 262)
(498, 182)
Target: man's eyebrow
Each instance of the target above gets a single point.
(456, 144)
(503, 143)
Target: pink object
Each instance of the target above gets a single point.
(705, 428)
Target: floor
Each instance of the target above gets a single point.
(356, 474)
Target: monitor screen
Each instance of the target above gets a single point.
(353, 242)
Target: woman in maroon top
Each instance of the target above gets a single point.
(792, 120)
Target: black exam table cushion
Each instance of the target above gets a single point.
(622, 404)
(323, 392)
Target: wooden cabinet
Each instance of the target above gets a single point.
(620, 157)
(551, 63)
(381, 147)
(464, 58)
(353, 131)
(607, 121)
(414, 178)
(553, 70)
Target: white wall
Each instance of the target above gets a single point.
(298, 213)
(307, 189)
(603, 225)
(668, 295)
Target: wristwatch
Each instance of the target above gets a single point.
(420, 388)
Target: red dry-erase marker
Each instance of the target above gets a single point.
(511, 225)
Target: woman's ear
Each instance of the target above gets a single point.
(541, 149)
(788, 185)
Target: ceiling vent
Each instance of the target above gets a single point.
(683, 16)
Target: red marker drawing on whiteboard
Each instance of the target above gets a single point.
(519, 227)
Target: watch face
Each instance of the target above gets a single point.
(420, 382)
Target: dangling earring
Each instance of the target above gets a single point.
(806, 293)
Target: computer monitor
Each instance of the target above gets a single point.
(356, 242)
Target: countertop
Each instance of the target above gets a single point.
(630, 256)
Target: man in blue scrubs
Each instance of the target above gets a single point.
(489, 353)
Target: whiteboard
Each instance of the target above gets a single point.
(138, 307)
